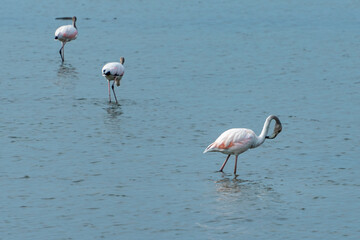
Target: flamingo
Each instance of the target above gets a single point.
(238, 140)
(114, 71)
(65, 34)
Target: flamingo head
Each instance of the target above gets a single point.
(277, 128)
(122, 60)
(117, 80)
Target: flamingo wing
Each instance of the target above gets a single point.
(66, 33)
(113, 69)
(232, 141)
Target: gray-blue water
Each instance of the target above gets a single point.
(74, 166)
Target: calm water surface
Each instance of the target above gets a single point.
(74, 166)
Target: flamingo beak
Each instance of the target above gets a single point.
(63, 18)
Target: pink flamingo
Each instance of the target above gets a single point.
(114, 71)
(65, 34)
(238, 140)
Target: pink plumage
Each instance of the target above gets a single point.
(233, 141)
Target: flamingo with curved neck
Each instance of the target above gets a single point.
(238, 140)
(114, 71)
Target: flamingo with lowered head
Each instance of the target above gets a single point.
(65, 34)
(238, 140)
(114, 71)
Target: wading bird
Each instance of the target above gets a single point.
(237, 140)
(113, 71)
(65, 34)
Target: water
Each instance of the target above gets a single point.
(74, 166)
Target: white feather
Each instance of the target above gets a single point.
(115, 69)
(66, 33)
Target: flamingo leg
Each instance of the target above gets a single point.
(236, 157)
(109, 91)
(61, 51)
(114, 91)
(222, 167)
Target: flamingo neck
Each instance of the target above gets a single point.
(264, 132)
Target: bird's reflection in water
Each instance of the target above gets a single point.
(231, 185)
(112, 118)
(66, 70)
(114, 111)
(233, 189)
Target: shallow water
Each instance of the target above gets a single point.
(74, 166)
